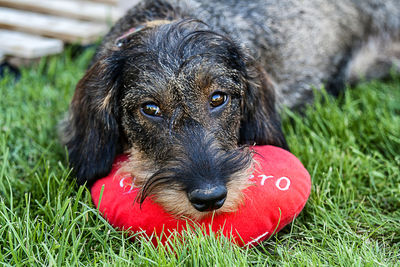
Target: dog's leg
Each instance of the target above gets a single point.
(376, 59)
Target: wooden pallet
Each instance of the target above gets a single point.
(28, 46)
(66, 29)
(111, 2)
(30, 29)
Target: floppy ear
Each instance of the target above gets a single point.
(91, 130)
(260, 123)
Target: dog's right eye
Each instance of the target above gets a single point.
(151, 109)
(218, 99)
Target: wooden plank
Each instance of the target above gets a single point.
(73, 9)
(110, 2)
(68, 30)
(27, 45)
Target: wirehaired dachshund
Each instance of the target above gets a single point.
(185, 87)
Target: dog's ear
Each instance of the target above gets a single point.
(260, 123)
(91, 131)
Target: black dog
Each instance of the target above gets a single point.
(176, 85)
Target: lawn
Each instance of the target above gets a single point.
(350, 146)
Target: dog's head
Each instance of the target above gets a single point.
(184, 101)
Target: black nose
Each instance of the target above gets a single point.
(208, 199)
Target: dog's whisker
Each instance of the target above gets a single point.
(150, 185)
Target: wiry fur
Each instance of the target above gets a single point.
(262, 54)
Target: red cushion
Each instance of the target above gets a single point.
(281, 191)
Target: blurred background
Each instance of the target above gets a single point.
(31, 29)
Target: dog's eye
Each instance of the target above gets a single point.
(151, 109)
(217, 99)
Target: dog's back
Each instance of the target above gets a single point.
(301, 44)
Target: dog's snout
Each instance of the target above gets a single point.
(208, 199)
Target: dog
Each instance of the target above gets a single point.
(185, 87)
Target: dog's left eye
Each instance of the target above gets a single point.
(151, 109)
(217, 99)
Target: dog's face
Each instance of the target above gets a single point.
(179, 98)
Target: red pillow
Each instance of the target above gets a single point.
(282, 187)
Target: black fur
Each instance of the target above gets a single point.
(92, 134)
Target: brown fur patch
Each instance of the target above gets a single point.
(106, 101)
(155, 23)
(138, 167)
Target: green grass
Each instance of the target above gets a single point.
(350, 145)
